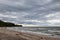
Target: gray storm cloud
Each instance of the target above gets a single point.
(38, 12)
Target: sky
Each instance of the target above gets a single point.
(35, 12)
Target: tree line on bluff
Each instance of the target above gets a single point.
(8, 24)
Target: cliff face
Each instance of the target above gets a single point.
(8, 24)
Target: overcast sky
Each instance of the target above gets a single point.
(36, 12)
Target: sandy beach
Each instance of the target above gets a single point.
(14, 35)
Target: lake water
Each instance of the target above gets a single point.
(52, 31)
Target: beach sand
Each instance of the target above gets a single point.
(14, 35)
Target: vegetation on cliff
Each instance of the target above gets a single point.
(8, 24)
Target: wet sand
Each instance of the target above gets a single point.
(14, 35)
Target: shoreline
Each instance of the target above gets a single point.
(37, 33)
(15, 35)
(40, 33)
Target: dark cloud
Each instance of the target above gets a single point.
(23, 10)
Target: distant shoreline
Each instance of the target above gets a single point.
(8, 24)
